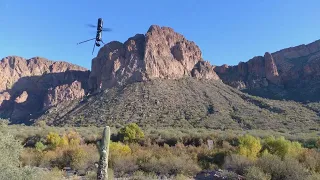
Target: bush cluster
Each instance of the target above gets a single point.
(180, 156)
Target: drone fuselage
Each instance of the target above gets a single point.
(100, 24)
(98, 37)
(99, 30)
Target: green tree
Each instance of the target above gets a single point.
(249, 146)
(282, 147)
(131, 133)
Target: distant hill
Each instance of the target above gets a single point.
(292, 73)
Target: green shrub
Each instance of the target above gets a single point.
(131, 133)
(171, 165)
(10, 150)
(210, 160)
(229, 175)
(255, 173)
(40, 147)
(313, 176)
(237, 163)
(311, 160)
(40, 123)
(288, 169)
(140, 175)
(124, 165)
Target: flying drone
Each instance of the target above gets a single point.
(98, 37)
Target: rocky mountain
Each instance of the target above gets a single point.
(158, 79)
(30, 86)
(292, 73)
(160, 53)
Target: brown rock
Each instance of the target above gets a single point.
(22, 97)
(25, 82)
(168, 54)
(13, 68)
(271, 69)
(256, 67)
(221, 69)
(63, 93)
(160, 53)
(5, 96)
(122, 65)
(243, 69)
(294, 69)
(203, 70)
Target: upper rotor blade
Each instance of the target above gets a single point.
(91, 25)
(106, 29)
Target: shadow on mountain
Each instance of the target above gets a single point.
(28, 94)
(300, 91)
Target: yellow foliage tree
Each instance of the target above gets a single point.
(78, 157)
(249, 146)
(74, 138)
(70, 138)
(118, 150)
(64, 141)
(53, 139)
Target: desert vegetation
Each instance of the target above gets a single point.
(43, 151)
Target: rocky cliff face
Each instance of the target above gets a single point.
(28, 87)
(292, 73)
(160, 53)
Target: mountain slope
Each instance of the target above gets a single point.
(185, 103)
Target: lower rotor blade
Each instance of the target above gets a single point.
(86, 40)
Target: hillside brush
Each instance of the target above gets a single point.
(103, 148)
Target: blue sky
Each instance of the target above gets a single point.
(227, 31)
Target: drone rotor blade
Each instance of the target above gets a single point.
(106, 29)
(91, 25)
(86, 40)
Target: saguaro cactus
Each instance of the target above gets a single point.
(102, 173)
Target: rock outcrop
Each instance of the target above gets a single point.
(66, 92)
(292, 73)
(160, 53)
(28, 86)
